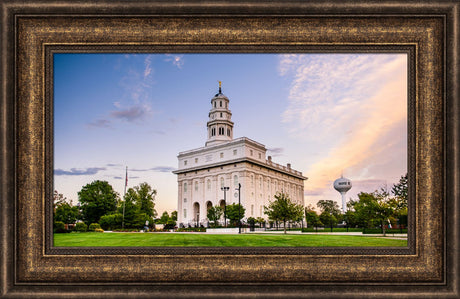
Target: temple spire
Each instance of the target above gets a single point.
(220, 86)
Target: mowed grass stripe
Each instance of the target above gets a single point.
(211, 240)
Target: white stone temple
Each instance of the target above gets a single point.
(227, 162)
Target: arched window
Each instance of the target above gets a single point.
(221, 114)
(215, 105)
(185, 187)
(235, 180)
(213, 132)
(220, 103)
(228, 132)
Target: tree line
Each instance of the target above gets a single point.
(381, 208)
(100, 206)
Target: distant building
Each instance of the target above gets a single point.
(227, 162)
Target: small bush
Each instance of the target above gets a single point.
(81, 227)
(98, 230)
(59, 227)
(93, 226)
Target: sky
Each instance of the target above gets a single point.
(326, 114)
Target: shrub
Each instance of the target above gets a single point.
(98, 230)
(81, 227)
(59, 227)
(111, 222)
(93, 226)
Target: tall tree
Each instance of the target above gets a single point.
(174, 215)
(214, 214)
(400, 192)
(97, 199)
(66, 213)
(164, 218)
(311, 217)
(146, 199)
(139, 206)
(235, 212)
(283, 209)
(130, 209)
(329, 206)
(374, 208)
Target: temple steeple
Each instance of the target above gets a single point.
(220, 125)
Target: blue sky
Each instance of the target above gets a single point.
(323, 113)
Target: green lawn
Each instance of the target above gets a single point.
(192, 239)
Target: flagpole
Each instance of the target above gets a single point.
(124, 193)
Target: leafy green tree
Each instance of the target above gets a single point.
(146, 199)
(97, 199)
(131, 210)
(214, 213)
(235, 212)
(260, 221)
(374, 209)
(164, 218)
(329, 206)
(139, 206)
(111, 222)
(283, 209)
(66, 213)
(400, 191)
(174, 215)
(312, 217)
(328, 218)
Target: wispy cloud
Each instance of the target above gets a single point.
(275, 151)
(148, 71)
(75, 171)
(100, 123)
(163, 169)
(354, 107)
(177, 60)
(156, 169)
(113, 165)
(132, 113)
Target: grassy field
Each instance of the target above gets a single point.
(193, 239)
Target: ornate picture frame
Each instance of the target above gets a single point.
(31, 33)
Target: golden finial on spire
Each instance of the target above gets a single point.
(220, 86)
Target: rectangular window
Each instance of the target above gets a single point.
(260, 156)
(196, 160)
(250, 152)
(185, 213)
(185, 200)
(185, 162)
(221, 155)
(235, 152)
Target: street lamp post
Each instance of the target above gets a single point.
(239, 207)
(225, 189)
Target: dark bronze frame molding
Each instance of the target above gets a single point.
(31, 32)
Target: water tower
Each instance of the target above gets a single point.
(342, 185)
